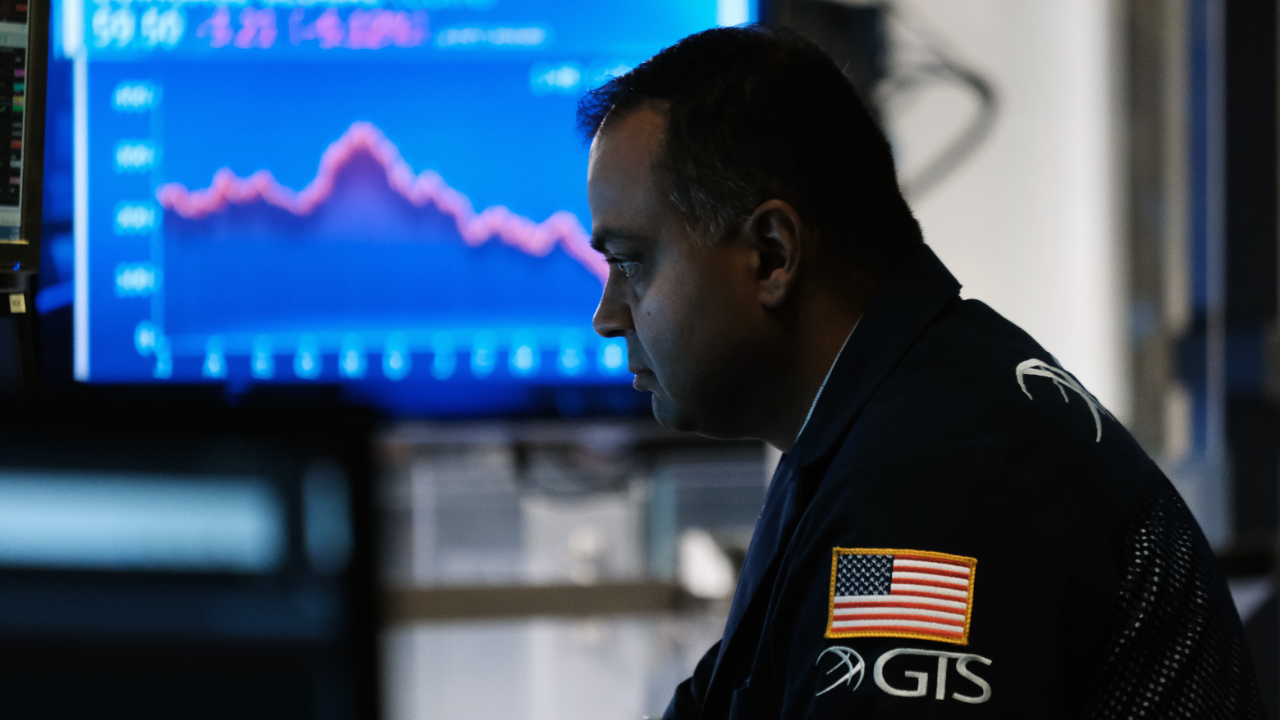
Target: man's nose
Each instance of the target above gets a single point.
(613, 314)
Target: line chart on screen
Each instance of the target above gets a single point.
(562, 228)
(368, 259)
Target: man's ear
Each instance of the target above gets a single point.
(775, 231)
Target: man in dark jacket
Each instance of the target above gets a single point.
(958, 528)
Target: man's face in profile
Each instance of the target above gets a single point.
(685, 308)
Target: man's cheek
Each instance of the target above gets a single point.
(651, 335)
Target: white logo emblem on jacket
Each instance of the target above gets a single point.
(849, 661)
(1062, 379)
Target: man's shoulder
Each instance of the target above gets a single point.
(977, 408)
(973, 375)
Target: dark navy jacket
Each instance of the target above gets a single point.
(1069, 578)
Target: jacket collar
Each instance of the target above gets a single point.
(909, 300)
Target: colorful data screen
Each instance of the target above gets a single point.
(388, 195)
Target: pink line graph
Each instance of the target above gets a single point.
(533, 238)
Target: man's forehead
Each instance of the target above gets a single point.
(628, 144)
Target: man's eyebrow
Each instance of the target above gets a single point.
(601, 238)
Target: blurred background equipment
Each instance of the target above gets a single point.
(1202, 279)
(893, 55)
(581, 566)
(198, 566)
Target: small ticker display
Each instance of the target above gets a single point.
(13, 70)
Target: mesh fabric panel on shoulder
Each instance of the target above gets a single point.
(1177, 650)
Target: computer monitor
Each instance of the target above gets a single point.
(386, 195)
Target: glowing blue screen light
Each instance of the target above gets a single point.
(140, 522)
(613, 356)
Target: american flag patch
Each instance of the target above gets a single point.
(900, 593)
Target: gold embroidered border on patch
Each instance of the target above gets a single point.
(972, 564)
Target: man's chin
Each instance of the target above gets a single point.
(669, 415)
(676, 417)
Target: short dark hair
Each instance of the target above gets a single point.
(756, 113)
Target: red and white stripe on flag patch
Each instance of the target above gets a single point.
(900, 593)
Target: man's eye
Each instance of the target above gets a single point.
(629, 267)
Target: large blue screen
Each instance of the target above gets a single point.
(385, 194)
